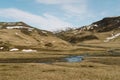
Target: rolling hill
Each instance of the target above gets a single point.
(105, 31)
(21, 35)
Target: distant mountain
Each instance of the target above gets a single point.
(20, 35)
(105, 30)
(104, 25)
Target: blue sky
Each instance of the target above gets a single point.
(57, 14)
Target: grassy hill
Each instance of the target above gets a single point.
(96, 32)
(21, 35)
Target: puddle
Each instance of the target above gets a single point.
(74, 59)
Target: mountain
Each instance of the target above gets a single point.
(104, 31)
(20, 35)
(104, 25)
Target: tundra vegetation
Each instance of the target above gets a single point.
(97, 65)
(27, 53)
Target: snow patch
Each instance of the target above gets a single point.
(14, 27)
(14, 49)
(90, 27)
(95, 25)
(111, 38)
(1, 48)
(29, 50)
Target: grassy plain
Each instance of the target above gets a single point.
(97, 65)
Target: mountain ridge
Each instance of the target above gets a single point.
(21, 35)
(99, 31)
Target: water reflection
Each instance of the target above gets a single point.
(74, 59)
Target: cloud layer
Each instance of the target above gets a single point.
(69, 10)
(57, 14)
(47, 22)
(73, 7)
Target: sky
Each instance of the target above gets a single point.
(55, 15)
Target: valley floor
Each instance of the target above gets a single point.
(93, 67)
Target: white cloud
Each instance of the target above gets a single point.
(58, 1)
(75, 10)
(73, 7)
(48, 22)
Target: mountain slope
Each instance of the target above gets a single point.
(105, 30)
(104, 25)
(19, 34)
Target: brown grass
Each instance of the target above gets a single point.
(93, 68)
(59, 71)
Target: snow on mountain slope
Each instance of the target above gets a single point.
(21, 35)
(112, 37)
(97, 31)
